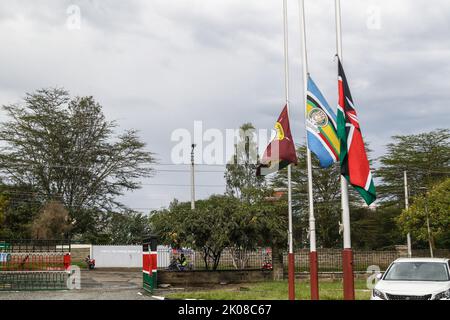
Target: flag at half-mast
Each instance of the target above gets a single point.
(354, 163)
(321, 127)
(281, 150)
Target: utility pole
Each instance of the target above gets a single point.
(430, 242)
(408, 236)
(192, 178)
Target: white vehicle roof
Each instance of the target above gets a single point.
(441, 260)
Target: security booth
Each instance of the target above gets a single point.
(149, 261)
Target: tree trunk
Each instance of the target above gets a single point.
(277, 262)
(205, 258)
(217, 260)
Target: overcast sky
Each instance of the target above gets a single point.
(159, 65)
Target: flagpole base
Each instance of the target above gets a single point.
(314, 275)
(291, 276)
(349, 283)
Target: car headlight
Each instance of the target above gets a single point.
(378, 294)
(442, 295)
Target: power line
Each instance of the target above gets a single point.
(182, 185)
(189, 164)
(208, 165)
(187, 171)
(31, 201)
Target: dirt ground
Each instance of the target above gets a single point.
(95, 285)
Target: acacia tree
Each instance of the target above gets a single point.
(425, 157)
(65, 150)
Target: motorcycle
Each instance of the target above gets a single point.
(175, 265)
(267, 265)
(90, 262)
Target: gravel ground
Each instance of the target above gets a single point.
(95, 285)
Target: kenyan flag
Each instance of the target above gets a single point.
(354, 163)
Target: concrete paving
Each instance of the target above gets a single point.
(95, 285)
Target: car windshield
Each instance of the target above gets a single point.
(418, 271)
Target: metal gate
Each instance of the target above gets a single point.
(34, 264)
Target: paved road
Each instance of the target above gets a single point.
(95, 285)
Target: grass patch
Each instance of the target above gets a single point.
(274, 290)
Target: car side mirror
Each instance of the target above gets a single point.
(379, 276)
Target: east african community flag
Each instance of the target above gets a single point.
(354, 163)
(321, 127)
(281, 150)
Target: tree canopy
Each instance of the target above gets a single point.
(435, 204)
(425, 157)
(240, 173)
(64, 149)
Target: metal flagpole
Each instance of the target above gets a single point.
(291, 271)
(408, 236)
(347, 254)
(192, 178)
(313, 265)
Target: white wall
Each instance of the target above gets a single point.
(126, 256)
(117, 256)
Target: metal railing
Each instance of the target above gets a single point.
(330, 260)
(36, 280)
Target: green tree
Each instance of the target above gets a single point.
(367, 224)
(65, 150)
(425, 157)
(220, 222)
(435, 205)
(205, 228)
(257, 221)
(3, 207)
(375, 228)
(240, 173)
(19, 208)
(128, 228)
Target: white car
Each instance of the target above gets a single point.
(414, 279)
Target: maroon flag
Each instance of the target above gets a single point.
(281, 150)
